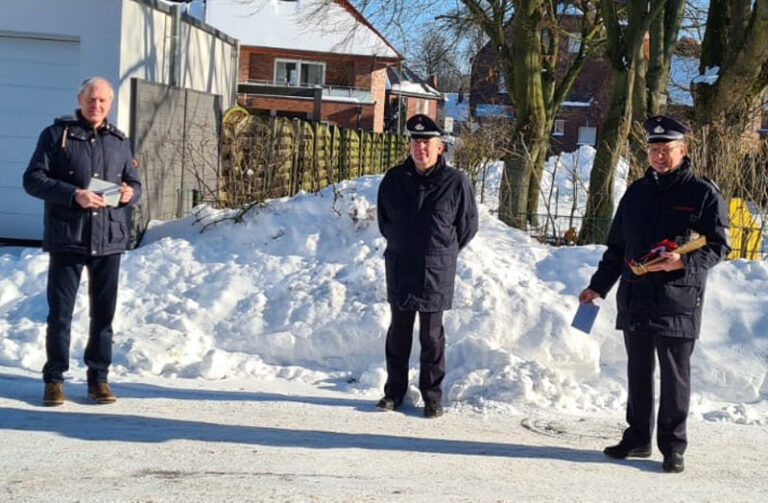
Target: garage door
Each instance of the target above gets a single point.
(38, 81)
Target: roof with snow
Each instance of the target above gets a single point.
(404, 81)
(306, 25)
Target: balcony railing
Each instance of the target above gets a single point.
(356, 94)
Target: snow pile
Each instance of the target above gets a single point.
(296, 292)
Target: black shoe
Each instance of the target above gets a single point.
(433, 410)
(622, 450)
(388, 404)
(673, 462)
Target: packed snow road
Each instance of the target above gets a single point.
(193, 441)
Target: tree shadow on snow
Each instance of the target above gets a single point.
(132, 428)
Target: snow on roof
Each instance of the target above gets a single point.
(306, 25)
(492, 110)
(711, 74)
(403, 80)
(578, 104)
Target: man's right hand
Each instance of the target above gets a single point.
(87, 199)
(587, 296)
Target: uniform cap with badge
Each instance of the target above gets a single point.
(421, 126)
(661, 129)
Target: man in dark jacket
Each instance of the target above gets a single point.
(83, 227)
(427, 213)
(661, 311)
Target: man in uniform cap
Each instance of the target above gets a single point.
(660, 312)
(427, 213)
(662, 129)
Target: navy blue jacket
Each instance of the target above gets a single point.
(426, 219)
(68, 154)
(654, 208)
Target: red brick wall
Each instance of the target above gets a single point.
(342, 114)
(378, 95)
(258, 63)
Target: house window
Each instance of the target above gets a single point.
(574, 42)
(502, 84)
(587, 135)
(559, 129)
(299, 73)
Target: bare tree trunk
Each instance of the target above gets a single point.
(636, 138)
(624, 47)
(736, 42)
(613, 135)
(530, 115)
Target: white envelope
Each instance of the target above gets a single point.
(108, 190)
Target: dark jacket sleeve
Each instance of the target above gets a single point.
(713, 224)
(381, 213)
(131, 176)
(37, 180)
(611, 264)
(467, 218)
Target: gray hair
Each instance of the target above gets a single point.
(89, 83)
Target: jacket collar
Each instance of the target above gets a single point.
(671, 179)
(432, 174)
(85, 125)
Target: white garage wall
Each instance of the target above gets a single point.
(208, 58)
(210, 63)
(94, 23)
(38, 79)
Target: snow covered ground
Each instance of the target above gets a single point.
(247, 360)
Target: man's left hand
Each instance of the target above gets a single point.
(673, 262)
(126, 193)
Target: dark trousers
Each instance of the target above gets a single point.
(674, 356)
(398, 352)
(63, 281)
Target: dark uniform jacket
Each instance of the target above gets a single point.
(427, 219)
(68, 154)
(654, 208)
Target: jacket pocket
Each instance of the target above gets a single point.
(439, 273)
(67, 225)
(118, 228)
(390, 268)
(680, 296)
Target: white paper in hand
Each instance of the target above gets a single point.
(585, 317)
(108, 190)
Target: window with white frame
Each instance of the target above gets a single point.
(574, 42)
(502, 85)
(559, 129)
(293, 72)
(422, 106)
(587, 135)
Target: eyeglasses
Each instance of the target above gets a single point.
(663, 150)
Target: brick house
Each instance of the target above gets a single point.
(408, 95)
(581, 113)
(310, 59)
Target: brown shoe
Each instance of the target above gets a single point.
(100, 393)
(54, 394)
